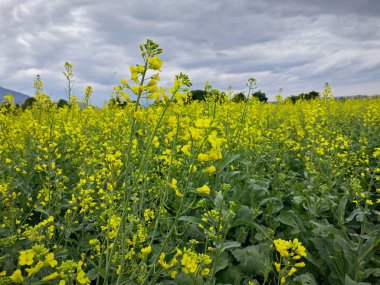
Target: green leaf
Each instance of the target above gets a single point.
(261, 232)
(358, 213)
(259, 185)
(41, 210)
(241, 234)
(298, 200)
(219, 203)
(273, 205)
(92, 274)
(230, 244)
(243, 216)
(184, 279)
(332, 257)
(255, 192)
(287, 218)
(340, 212)
(223, 261)
(370, 271)
(230, 275)
(189, 219)
(305, 279)
(368, 247)
(254, 259)
(229, 160)
(349, 281)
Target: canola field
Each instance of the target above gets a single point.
(190, 193)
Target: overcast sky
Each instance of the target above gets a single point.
(296, 45)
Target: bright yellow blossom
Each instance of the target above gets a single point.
(174, 186)
(292, 271)
(50, 277)
(173, 274)
(146, 250)
(204, 190)
(82, 277)
(49, 259)
(278, 266)
(17, 277)
(210, 170)
(26, 257)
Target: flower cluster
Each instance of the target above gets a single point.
(291, 251)
(186, 261)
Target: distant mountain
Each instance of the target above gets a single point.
(19, 97)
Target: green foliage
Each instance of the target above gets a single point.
(239, 97)
(260, 95)
(213, 95)
(62, 103)
(117, 102)
(304, 96)
(197, 95)
(28, 103)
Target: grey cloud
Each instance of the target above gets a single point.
(295, 44)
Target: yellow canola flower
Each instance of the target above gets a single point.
(50, 277)
(124, 82)
(193, 168)
(203, 123)
(215, 154)
(162, 261)
(16, 277)
(205, 271)
(189, 262)
(186, 150)
(49, 259)
(195, 133)
(173, 274)
(203, 157)
(283, 246)
(292, 271)
(3, 273)
(3, 189)
(146, 250)
(173, 185)
(137, 89)
(33, 270)
(148, 215)
(155, 62)
(278, 266)
(26, 257)
(82, 277)
(214, 140)
(204, 190)
(210, 170)
(10, 99)
(299, 248)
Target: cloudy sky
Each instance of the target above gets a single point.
(296, 45)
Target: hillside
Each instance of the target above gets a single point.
(19, 97)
